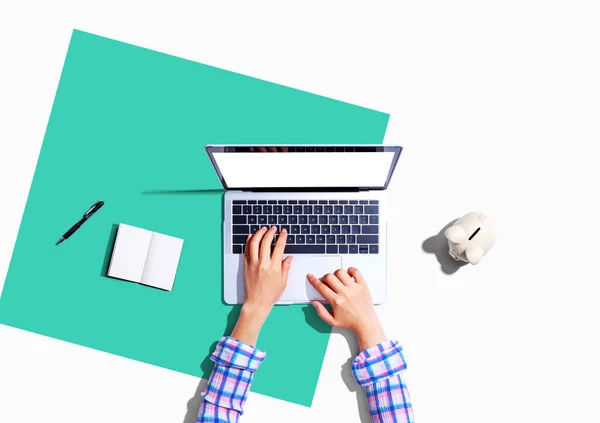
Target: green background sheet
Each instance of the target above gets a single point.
(128, 126)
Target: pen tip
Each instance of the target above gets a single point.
(59, 241)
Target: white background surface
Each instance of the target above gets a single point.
(496, 104)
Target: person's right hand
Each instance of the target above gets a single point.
(352, 305)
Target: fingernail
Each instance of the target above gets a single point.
(284, 231)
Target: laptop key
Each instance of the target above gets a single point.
(262, 220)
(363, 202)
(253, 220)
(358, 210)
(291, 239)
(272, 219)
(338, 209)
(320, 239)
(368, 239)
(353, 220)
(353, 201)
(333, 201)
(300, 239)
(305, 229)
(295, 229)
(303, 220)
(310, 239)
(271, 201)
(282, 219)
(239, 220)
(373, 249)
(247, 209)
(363, 219)
(262, 201)
(315, 229)
(343, 249)
(333, 220)
(293, 220)
(239, 201)
(268, 209)
(331, 239)
(286, 227)
(241, 229)
(373, 220)
(251, 201)
(282, 202)
(370, 229)
(325, 229)
(239, 239)
(312, 201)
(345, 229)
(348, 209)
(302, 201)
(287, 209)
(373, 201)
(237, 249)
(305, 249)
(292, 201)
(323, 220)
(254, 229)
(313, 219)
(371, 209)
(353, 249)
(351, 239)
(322, 201)
(237, 209)
(332, 249)
(278, 209)
(336, 229)
(308, 209)
(257, 209)
(328, 209)
(355, 229)
(340, 239)
(363, 249)
(318, 209)
(297, 209)
(343, 220)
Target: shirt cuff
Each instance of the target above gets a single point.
(233, 353)
(378, 363)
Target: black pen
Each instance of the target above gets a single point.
(85, 217)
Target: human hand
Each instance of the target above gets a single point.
(265, 279)
(350, 299)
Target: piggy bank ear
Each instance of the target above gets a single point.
(474, 253)
(456, 234)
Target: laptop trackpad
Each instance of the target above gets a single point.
(299, 288)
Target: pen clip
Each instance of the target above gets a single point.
(93, 209)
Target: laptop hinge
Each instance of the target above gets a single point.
(342, 189)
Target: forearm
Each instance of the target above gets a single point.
(249, 324)
(379, 370)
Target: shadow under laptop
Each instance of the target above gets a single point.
(183, 191)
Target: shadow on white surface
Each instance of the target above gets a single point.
(438, 245)
(193, 405)
(348, 377)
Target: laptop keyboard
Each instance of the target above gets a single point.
(313, 226)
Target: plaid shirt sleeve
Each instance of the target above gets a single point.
(379, 370)
(228, 386)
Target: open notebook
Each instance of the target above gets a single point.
(145, 257)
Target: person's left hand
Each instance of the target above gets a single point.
(265, 274)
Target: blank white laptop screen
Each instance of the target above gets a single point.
(284, 169)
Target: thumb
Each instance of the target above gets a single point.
(324, 313)
(285, 268)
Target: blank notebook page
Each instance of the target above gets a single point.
(129, 253)
(162, 261)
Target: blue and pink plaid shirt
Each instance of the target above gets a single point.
(378, 370)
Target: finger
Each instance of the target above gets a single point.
(251, 148)
(265, 244)
(284, 149)
(285, 269)
(321, 288)
(262, 149)
(355, 273)
(333, 282)
(324, 313)
(344, 277)
(280, 245)
(247, 248)
(273, 149)
(255, 243)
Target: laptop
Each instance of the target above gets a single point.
(329, 198)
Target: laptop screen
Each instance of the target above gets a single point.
(264, 167)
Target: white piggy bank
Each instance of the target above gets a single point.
(471, 237)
